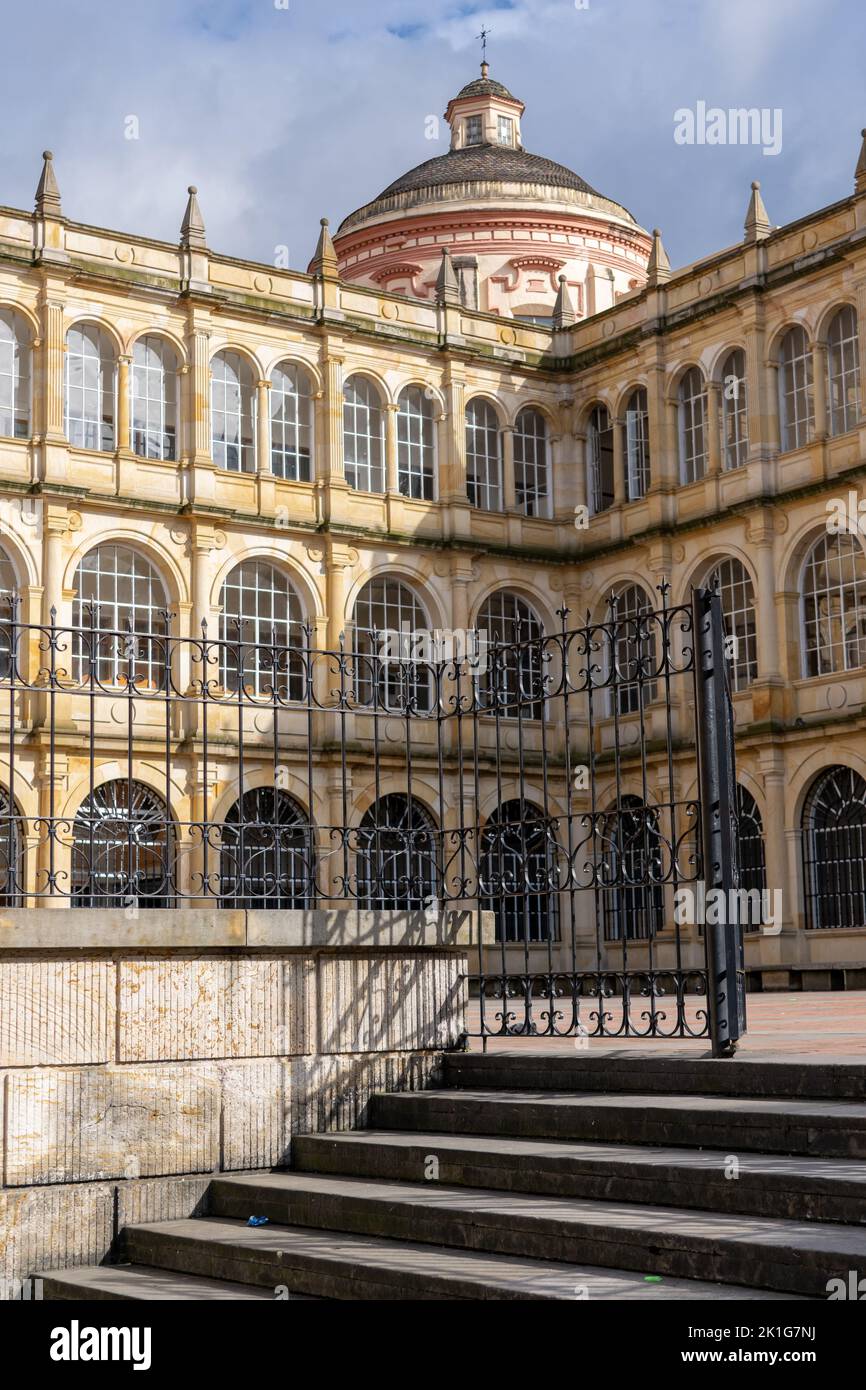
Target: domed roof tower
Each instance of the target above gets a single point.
(514, 223)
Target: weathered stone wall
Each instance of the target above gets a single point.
(199, 1042)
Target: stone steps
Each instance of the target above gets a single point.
(816, 1128)
(806, 1189)
(555, 1178)
(769, 1253)
(344, 1266)
(633, 1072)
(139, 1283)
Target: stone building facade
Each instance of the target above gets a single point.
(170, 415)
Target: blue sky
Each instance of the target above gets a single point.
(283, 111)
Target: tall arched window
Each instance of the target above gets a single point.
(153, 389)
(738, 612)
(90, 388)
(512, 685)
(14, 375)
(416, 444)
(750, 850)
(518, 873)
(388, 618)
(483, 457)
(843, 370)
(232, 413)
(123, 848)
(796, 407)
(834, 605)
(531, 466)
(632, 657)
(735, 420)
(261, 632)
(693, 426)
(120, 619)
(632, 872)
(834, 850)
(291, 423)
(13, 877)
(637, 447)
(8, 591)
(599, 445)
(396, 855)
(363, 435)
(267, 852)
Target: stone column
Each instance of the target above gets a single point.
(819, 389)
(714, 429)
(199, 423)
(56, 528)
(620, 491)
(509, 489)
(765, 602)
(123, 441)
(53, 367)
(263, 427)
(779, 869)
(392, 482)
(774, 417)
(333, 440)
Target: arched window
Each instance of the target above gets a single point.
(796, 408)
(483, 458)
(267, 853)
(632, 872)
(637, 447)
(262, 633)
(13, 879)
(388, 620)
(154, 398)
(735, 420)
(531, 467)
(738, 612)
(90, 388)
(416, 444)
(232, 413)
(120, 619)
(363, 435)
(834, 605)
(599, 444)
(123, 848)
(512, 685)
(14, 375)
(843, 369)
(631, 650)
(518, 873)
(834, 850)
(693, 426)
(291, 423)
(396, 855)
(750, 851)
(8, 636)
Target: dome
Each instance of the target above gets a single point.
(463, 170)
(483, 87)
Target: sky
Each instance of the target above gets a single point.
(285, 111)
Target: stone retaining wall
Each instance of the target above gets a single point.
(138, 1056)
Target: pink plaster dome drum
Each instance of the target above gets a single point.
(515, 224)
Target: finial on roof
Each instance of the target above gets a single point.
(860, 171)
(757, 223)
(659, 267)
(325, 261)
(447, 285)
(563, 309)
(192, 233)
(47, 192)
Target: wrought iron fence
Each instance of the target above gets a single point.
(551, 781)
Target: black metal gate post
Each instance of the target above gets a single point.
(723, 935)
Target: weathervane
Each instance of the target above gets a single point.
(483, 37)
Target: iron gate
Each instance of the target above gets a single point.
(571, 792)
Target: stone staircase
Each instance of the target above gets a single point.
(540, 1176)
